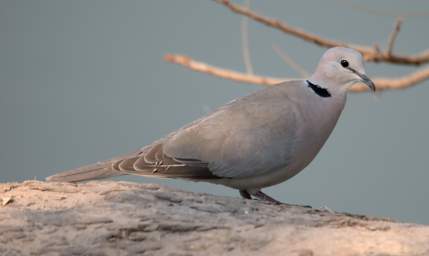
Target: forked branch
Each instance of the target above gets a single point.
(370, 53)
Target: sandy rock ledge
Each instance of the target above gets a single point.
(121, 218)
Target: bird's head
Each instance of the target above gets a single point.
(339, 68)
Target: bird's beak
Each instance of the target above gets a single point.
(365, 79)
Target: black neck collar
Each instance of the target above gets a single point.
(322, 92)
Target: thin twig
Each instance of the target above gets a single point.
(381, 83)
(377, 48)
(245, 48)
(291, 62)
(369, 53)
(393, 35)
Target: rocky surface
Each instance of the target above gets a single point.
(120, 218)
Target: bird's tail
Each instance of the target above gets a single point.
(98, 170)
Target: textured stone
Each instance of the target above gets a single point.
(120, 218)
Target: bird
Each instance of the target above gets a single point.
(252, 142)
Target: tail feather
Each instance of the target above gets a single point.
(99, 170)
(150, 161)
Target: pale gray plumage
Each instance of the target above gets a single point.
(252, 142)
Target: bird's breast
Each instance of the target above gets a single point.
(315, 121)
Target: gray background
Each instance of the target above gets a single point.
(82, 81)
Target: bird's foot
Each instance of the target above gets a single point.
(260, 196)
(264, 197)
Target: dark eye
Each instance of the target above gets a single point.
(344, 63)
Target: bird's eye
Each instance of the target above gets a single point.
(344, 63)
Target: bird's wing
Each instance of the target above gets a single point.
(248, 137)
(152, 161)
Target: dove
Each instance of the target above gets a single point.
(252, 142)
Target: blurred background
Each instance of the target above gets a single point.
(82, 81)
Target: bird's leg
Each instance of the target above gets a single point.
(262, 196)
(244, 194)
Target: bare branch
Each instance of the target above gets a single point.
(368, 52)
(220, 72)
(393, 35)
(245, 48)
(291, 62)
(381, 83)
(280, 25)
(397, 83)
